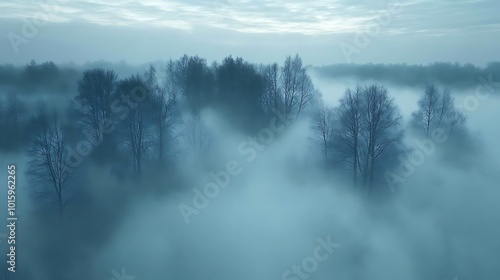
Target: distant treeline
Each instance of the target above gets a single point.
(56, 79)
(34, 77)
(443, 73)
(62, 79)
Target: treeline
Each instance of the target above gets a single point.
(442, 73)
(137, 121)
(33, 78)
(153, 120)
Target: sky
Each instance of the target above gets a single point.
(322, 32)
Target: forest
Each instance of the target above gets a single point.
(92, 140)
(151, 118)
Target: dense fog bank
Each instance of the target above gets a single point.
(202, 171)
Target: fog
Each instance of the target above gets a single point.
(281, 204)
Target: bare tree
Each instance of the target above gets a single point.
(306, 90)
(195, 82)
(288, 80)
(428, 108)
(436, 110)
(349, 128)
(138, 135)
(444, 107)
(368, 133)
(48, 165)
(380, 131)
(171, 83)
(197, 134)
(273, 94)
(163, 112)
(297, 88)
(137, 140)
(322, 126)
(450, 118)
(456, 120)
(93, 101)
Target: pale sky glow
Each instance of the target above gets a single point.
(310, 18)
(320, 24)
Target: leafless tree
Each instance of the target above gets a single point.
(456, 120)
(297, 88)
(93, 101)
(137, 140)
(349, 128)
(190, 84)
(48, 165)
(306, 91)
(272, 98)
(450, 118)
(171, 84)
(138, 134)
(322, 126)
(367, 132)
(436, 110)
(380, 131)
(197, 134)
(428, 105)
(163, 112)
(194, 80)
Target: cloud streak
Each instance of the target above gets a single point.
(263, 16)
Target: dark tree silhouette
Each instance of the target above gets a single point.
(137, 122)
(348, 131)
(48, 166)
(273, 98)
(368, 133)
(323, 128)
(163, 113)
(297, 86)
(428, 108)
(437, 111)
(239, 91)
(93, 102)
(195, 82)
(12, 122)
(381, 129)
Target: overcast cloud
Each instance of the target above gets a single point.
(259, 30)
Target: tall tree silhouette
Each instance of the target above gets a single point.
(381, 129)
(163, 112)
(195, 81)
(137, 124)
(348, 132)
(368, 133)
(273, 97)
(93, 102)
(48, 166)
(297, 87)
(239, 91)
(323, 128)
(437, 111)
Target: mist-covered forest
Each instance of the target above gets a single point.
(197, 169)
